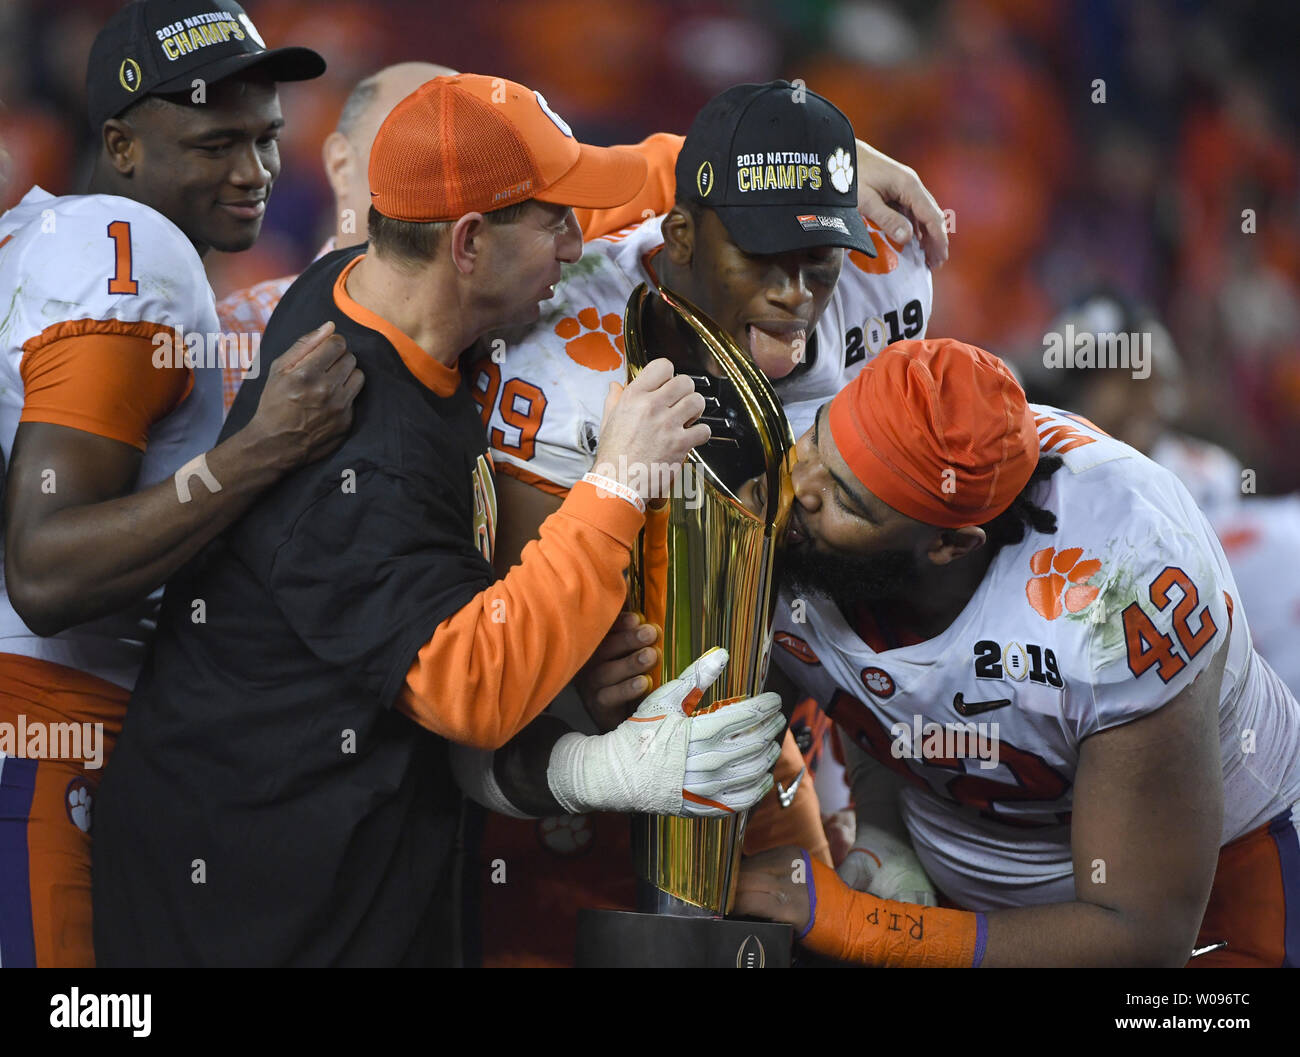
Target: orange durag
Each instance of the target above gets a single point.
(939, 430)
(857, 927)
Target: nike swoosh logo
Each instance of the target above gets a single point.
(974, 708)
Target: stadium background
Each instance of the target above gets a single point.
(990, 100)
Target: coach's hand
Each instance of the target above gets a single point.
(649, 425)
(883, 183)
(664, 761)
(887, 867)
(306, 406)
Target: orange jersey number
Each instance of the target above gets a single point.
(122, 282)
(522, 407)
(1147, 647)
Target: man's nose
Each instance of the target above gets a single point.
(803, 477)
(788, 285)
(249, 170)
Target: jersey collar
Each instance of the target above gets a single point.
(440, 378)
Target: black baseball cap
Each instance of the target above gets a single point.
(777, 163)
(153, 47)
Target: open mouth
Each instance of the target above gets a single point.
(771, 344)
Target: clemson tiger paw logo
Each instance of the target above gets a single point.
(565, 834)
(593, 340)
(840, 168)
(78, 802)
(1061, 582)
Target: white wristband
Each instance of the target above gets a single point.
(474, 772)
(608, 486)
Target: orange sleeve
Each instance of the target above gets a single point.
(771, 825)
(654, 580)
(103, 382)
(495, 664)
(660, 189)
(858, 927)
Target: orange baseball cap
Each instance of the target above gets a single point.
(471, 144)
(939, 430)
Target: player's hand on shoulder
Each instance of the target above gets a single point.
(887, 867)
(616, 678)
(306, 406)
(650, 422)
(884, 184)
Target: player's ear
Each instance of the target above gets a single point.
(948, 545)
(336, 154)
(679, 236)
(465, 235)
(120, 145)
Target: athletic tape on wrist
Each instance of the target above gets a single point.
(196, 467)
(859, 927)
(615, 488)
(562, 772)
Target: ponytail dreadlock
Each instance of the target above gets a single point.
(1009, 526)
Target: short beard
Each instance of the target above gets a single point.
(850, 581)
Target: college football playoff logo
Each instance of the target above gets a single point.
(750, 954)
(704, 179)
(128, 75)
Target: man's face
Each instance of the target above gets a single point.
(843, 542)
(769, 304)
(521, 261)
(209, 168)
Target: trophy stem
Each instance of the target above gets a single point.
(653, 900)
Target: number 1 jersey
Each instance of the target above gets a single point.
(79, 275)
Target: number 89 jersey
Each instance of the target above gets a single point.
(541, 389)
(1068, 634)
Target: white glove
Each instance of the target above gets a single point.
(886, 867)
(662, 762)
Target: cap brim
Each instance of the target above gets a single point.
(280, 64)
(601, 178)
(783, 228)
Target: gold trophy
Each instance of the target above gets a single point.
(705, 570)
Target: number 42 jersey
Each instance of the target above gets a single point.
(1069, 634)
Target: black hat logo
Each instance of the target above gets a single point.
(129, 74)
(704, 179)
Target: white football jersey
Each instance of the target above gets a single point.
(1068, 634)
(79, 264)
(543, 404)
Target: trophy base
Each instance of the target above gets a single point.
(618, 939)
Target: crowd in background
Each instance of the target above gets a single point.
(1150, 146)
